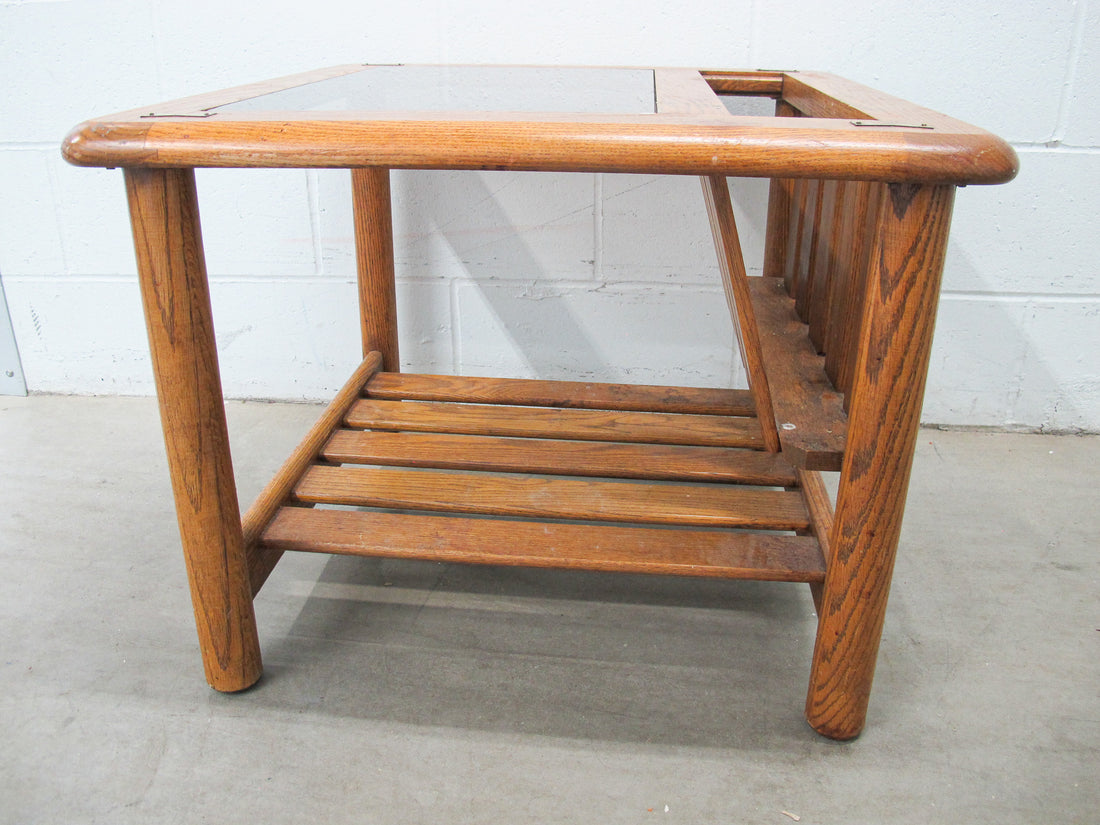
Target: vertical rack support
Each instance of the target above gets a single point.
(731, 263)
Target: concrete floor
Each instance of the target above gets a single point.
(412, 692)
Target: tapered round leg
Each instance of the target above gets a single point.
(165, 219)
(895, 346)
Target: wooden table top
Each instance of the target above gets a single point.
(584, 119)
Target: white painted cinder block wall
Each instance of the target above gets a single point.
(600, 277)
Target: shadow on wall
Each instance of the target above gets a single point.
(996, 356)
(511, 262)
(577, 276)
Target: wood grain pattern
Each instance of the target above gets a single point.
(778, 227)
(852, 244)
(714, 505)
(685, 91)
(820, 282)
(374, 264)
(582, 425)
(778, 231)
(800, 195)
(810, 412)
(811, 101)
(262, 561)
(731, 264)
(857, 232)
(820, 508)
(762, 84)
(822, 95)
(810, 147)
(803, 258)
(708, 553)
(527, 392)
(895, 344)
(576, 458)
(827, 145)
(172, 273)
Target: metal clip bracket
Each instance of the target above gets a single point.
(189, 114)
(881, 123)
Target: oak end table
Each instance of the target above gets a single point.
(835, 338)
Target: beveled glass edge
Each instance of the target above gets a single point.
(440, 90)
(703, 102)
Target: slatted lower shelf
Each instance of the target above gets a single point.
(714, 553)
(546, 474)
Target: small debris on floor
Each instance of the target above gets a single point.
(795, 817)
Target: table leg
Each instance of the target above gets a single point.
(172, 270)
(895, 345)
(374, 260)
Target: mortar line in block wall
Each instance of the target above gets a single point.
(1075, 298)
(59, 223)
(1059, 148)
(1061, 125)
(313, 194)
(597, 227)
(754, 29)
(456, 337)
(28, 146)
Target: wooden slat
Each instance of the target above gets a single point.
(799, 287)
(820, 508)
(763, 84)
(712, 505)
(845, 298)
(796, 206)
(821, 266)
(841, 275)
(533, 422)
(856, 237)
(731, 264)
(579, 458)
(828, 96)
(572, 394)
(814, 103)
(708, 553)
(810, 412)
(778, 227)
(261, 562)
(684, 91)
(779, 222)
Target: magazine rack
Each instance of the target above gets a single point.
(835, 338)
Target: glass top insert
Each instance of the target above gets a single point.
(467, 89)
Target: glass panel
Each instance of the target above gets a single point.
(467, 89)
(746, 106)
